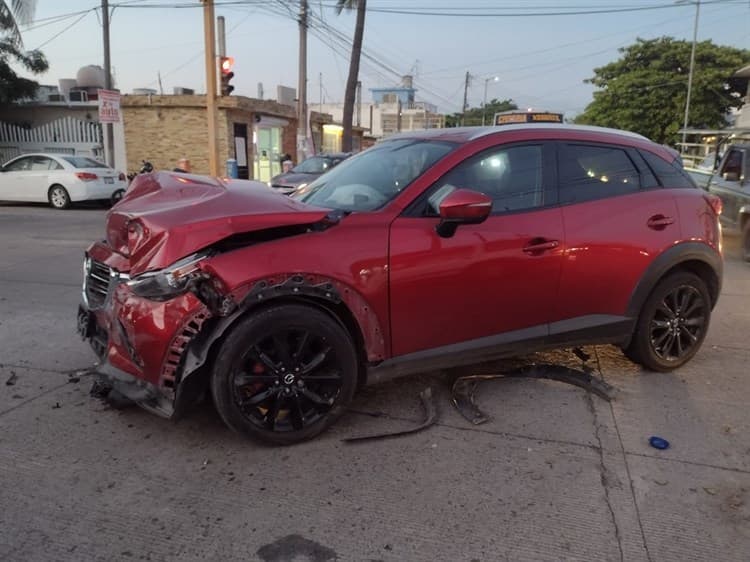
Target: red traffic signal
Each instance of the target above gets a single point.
(225, 68)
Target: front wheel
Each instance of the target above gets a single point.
(58, 197)
(672, 324)
(284, 374)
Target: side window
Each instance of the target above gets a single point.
(41, 163)
(733, 164)
(670, 175)
(510, 176)
(588, 172)
(19, 165)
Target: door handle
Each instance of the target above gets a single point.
(659, 222)
(539, 245)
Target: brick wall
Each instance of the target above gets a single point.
(163, 129)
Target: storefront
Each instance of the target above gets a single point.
(267, 138)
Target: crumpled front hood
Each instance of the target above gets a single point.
(165, 216)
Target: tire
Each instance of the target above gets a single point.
(116, 196)
(284, 374)
(58, 197)
(672, 324)
(746, 241)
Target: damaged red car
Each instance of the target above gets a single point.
(432, 250)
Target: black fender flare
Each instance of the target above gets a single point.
(668, 260)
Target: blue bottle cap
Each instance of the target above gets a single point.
(658, 442)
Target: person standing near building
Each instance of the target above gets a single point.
(183, 166)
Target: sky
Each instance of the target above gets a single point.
(540, 61)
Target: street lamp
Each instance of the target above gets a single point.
(484, 101)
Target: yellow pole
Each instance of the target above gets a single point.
(211, 109)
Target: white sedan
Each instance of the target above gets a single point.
(59, 180)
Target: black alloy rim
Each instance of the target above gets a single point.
(678, 323)
(287, 380)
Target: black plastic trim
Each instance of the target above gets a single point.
(590, 329)
(669, 259)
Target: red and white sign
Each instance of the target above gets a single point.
(109, 106)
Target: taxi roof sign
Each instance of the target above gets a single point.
(509, 117)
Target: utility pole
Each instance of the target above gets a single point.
(466, 93)
(302, 85)
(359, 103)
(690, 75)
(320, 83)
(108, 133)
(209, 39)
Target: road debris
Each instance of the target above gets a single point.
(430, 417)
(12, 379)
(465, 387)
(658, 442)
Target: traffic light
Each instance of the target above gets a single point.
(225, 71)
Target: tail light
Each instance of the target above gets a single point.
(122, 176)
(86, 176)
(715, 203)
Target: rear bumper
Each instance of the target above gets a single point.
(96, 190)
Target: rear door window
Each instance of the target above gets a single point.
(732, 164)
(587, 172)
(669, 175)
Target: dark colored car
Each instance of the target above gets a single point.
(307, 171)
(731, 183)
(431, 250)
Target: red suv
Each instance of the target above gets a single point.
(430, 250)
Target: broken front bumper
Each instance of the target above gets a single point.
(140, 342)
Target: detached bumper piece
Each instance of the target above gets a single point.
(465, 387)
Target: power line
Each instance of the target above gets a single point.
(63, 30)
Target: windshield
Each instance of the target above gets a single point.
(314, 165)
(374, 177)
(83, 162)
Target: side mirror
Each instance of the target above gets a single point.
(462, 206)
(731, 176)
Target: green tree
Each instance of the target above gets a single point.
(474, 114)
(351, 81)
(646, 88)
(14, 13)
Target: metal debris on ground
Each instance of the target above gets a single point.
(465, 387)
(430, 417)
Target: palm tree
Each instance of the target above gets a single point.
(14, 13)
(351, 81)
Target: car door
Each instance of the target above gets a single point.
(13, 180)
(617, 218)
(488, 284)
(731, 185)
(37, 179)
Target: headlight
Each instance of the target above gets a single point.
(169, 282)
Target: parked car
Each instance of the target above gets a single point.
(59, 180)
(431, 250)
(731, 183)
(307, 171)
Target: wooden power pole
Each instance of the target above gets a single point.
(302, 85)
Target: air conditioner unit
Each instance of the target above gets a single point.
(78, 95)
(183, 91)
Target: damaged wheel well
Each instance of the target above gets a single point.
(196, 370)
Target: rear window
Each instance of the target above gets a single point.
(83, 162)
(669, 175)
(588, 172)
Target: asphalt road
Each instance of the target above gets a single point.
(556, 475)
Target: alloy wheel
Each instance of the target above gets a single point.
(678, 323)
(287, 380)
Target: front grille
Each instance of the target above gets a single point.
(97, 283)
